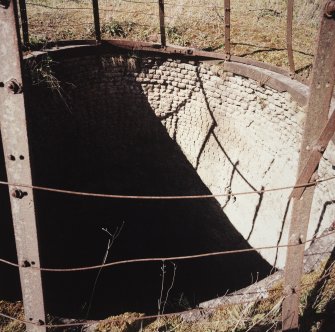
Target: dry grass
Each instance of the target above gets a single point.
(265, 315)
(317, 294)
(13, 310)
(258, 26)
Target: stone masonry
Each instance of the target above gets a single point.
(239, 135)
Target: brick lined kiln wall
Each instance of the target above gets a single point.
(238, 134)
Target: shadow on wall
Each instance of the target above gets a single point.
(235, 169)
(109, 141)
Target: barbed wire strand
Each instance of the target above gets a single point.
(69, 8)
(43, 27)
(90, 194)
(35, 25)
(168, 4)
(133, 24)
(171, 4)
(153, 197)
(163, 259)
(100, 9)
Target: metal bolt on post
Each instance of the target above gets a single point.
(15, 145)
(318, 131)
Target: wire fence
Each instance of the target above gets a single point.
(189, 23)
(192, 24)
(259, 294)
(165, 259)
(183, 197)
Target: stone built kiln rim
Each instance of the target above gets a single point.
(266, 107)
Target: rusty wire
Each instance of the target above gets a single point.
(115, 196)
(167, 3)
(117, 10)
(78, 25)
(63, 25)
(89, 8)
(153, 198)
(190, 311)
(171, 4)
(163, 259)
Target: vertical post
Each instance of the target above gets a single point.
(96, 20)
(289, 34)
(162, 22)
(227, 29)
(24, 22)
(15, 145)
(321, 89)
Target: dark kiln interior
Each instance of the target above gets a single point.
(97, 132)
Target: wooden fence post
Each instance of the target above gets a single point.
(16, 151)
(227, 29)
(162, 22)
(289, 35)
(321, 90)
(96, 20)
(24, 23)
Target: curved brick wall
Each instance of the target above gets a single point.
(238, 134)
(158, 126)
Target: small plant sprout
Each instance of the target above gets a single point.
(111, 239)
(162, 302)
(42, 74)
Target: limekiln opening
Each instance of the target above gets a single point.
(99, 132)
(107, 123)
